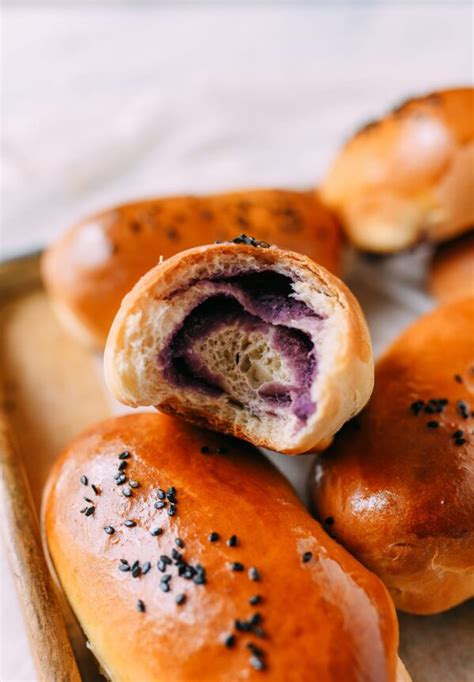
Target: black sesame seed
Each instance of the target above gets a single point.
(146, 567)
(88, 499)
(257, 663)
(255, 649)
(135, 564)
(136, 571)
(458, 378)
(432, 424)
(171, 490)
(256, 599)
(164, 587)
(160, 494)
(84, 480)
(127, 492)
(242, 625)
(161, 566)
(171, 511)
(124, 455)
(160, 505)
(134, 484)
(156, 531)
(237, 566)
(459, 441)
(165, 559)
(229, 641)
(254, 574)
(232, 541)
(84, 509)
(123, 465)
(120, 479)
(124, 567)
(95, 489)
(130, 523)
(176, 555)
(89, 511)
(329, 521)
(459, 433)
(110, 530)
(259, 632)
(199, 579)
(417, 406)
(179, 542)
(205, 450)
(307, 556)
(123, 561)
(180, 599)
(213, 537)
(140, 606)
(462, 409)
(166, 578)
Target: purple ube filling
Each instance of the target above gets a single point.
(256, 301)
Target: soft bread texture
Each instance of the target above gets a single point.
(91, 267)
(409, 175)
(168, 296)
(451, 273)
(397, 487)
(322, 618)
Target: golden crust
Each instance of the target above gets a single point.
(401, 492)
(408, 175)
(335, 601)
(91, 267)
(451, 274)
(349, 379)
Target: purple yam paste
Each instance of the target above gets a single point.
(254, 301)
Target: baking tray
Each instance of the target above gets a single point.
(51, 389)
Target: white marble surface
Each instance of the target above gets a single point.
(110, 102)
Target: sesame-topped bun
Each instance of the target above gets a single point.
(408, 176)
(246, 339)
(397, 487)
(192, 559)
(91, 267)
(451, 273)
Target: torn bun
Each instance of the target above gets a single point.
(92, 266)
(408, 176)
(256, 342)
(397, 486)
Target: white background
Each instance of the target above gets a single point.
(110, 102)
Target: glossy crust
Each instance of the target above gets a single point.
(89, 270)
(408, 175)
(451, 274)
(344, 380)
(401, 494)
(328, 619)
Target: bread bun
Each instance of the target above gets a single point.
(408, 176)
(451, 274)
(245, 339)
(89, 270)
(397, 487)
(271, 580)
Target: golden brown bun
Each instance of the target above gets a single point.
(326, 619)
(89, 270)
(143, 365)
(408, 175)
(398, 493)
(451, 274)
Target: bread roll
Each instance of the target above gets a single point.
(89, 270)
(397, 487)
(253, 341)
(409, 175)
(451, 274)
(231, 580)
